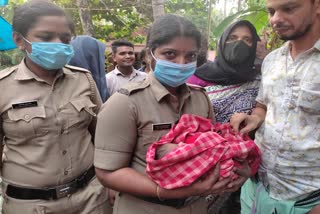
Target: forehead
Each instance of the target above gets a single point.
(181, 43)
(282, 3)
(122, 49)
(51, 24)
(241, 31)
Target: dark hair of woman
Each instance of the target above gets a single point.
(26, 15)
(168, 27)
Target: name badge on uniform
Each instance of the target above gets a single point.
(161, 126)
(27, 104)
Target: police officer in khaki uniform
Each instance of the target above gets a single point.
(48, 117)
(139, 114)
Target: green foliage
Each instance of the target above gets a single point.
(112, 19)
(7, 11)
(12, 57)
(129, 19)
(187, 9)
(256, 15)
(118, 24)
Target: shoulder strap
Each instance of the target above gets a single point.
(203, 90)
(134, 87)
(6, 72)
(93, 95)
(93, 98)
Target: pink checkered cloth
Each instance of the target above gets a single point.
(206, 144)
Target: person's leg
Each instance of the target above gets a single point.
(247, 197)
(128, 204)
(15, 206)
(255, 199)
(232, 204)
(92, 199)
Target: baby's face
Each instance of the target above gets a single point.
(166, 148)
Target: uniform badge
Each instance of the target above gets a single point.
(161, 126)
(27, 104)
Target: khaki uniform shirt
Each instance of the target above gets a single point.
(115, 79)
(45, 127)
(139, 115)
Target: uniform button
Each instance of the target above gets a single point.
(66, 172)
(27, 116)
(64, 152)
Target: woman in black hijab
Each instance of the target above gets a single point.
(231, 81)
(232, 84)
(89, 53)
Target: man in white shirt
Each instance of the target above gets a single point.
(287, 115)
(124, 73)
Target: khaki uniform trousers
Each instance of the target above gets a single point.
(127, 204)
(90, 200)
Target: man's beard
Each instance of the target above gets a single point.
(296, 35)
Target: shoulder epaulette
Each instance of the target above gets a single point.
(6, 72)
(75, 68)
(197, 87)
(134, 87)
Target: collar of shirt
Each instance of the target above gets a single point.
(160, 91)
(132, 75)
(24, 73)
(287, 46)
(317, 45)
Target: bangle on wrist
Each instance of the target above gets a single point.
(158, 193)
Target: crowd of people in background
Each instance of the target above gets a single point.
(76, 139)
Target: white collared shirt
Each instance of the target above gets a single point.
(289, 138)
(116, 80)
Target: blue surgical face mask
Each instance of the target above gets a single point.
(173, 74)
(50, 55)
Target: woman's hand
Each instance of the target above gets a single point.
(211, 184)
(250, 122)
(262, 51)
(111, 196)
(244, 173)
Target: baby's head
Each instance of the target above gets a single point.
(166, 148)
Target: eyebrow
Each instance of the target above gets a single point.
(50, 33)
(125, 52)
(171, 49)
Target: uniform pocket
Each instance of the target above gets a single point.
(84, 104)
(15, 206)
(309, 97)
(26, 122)
(149, 136)
(78, 113)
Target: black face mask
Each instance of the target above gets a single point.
(237, 52)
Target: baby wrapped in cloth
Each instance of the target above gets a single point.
(200, 146)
